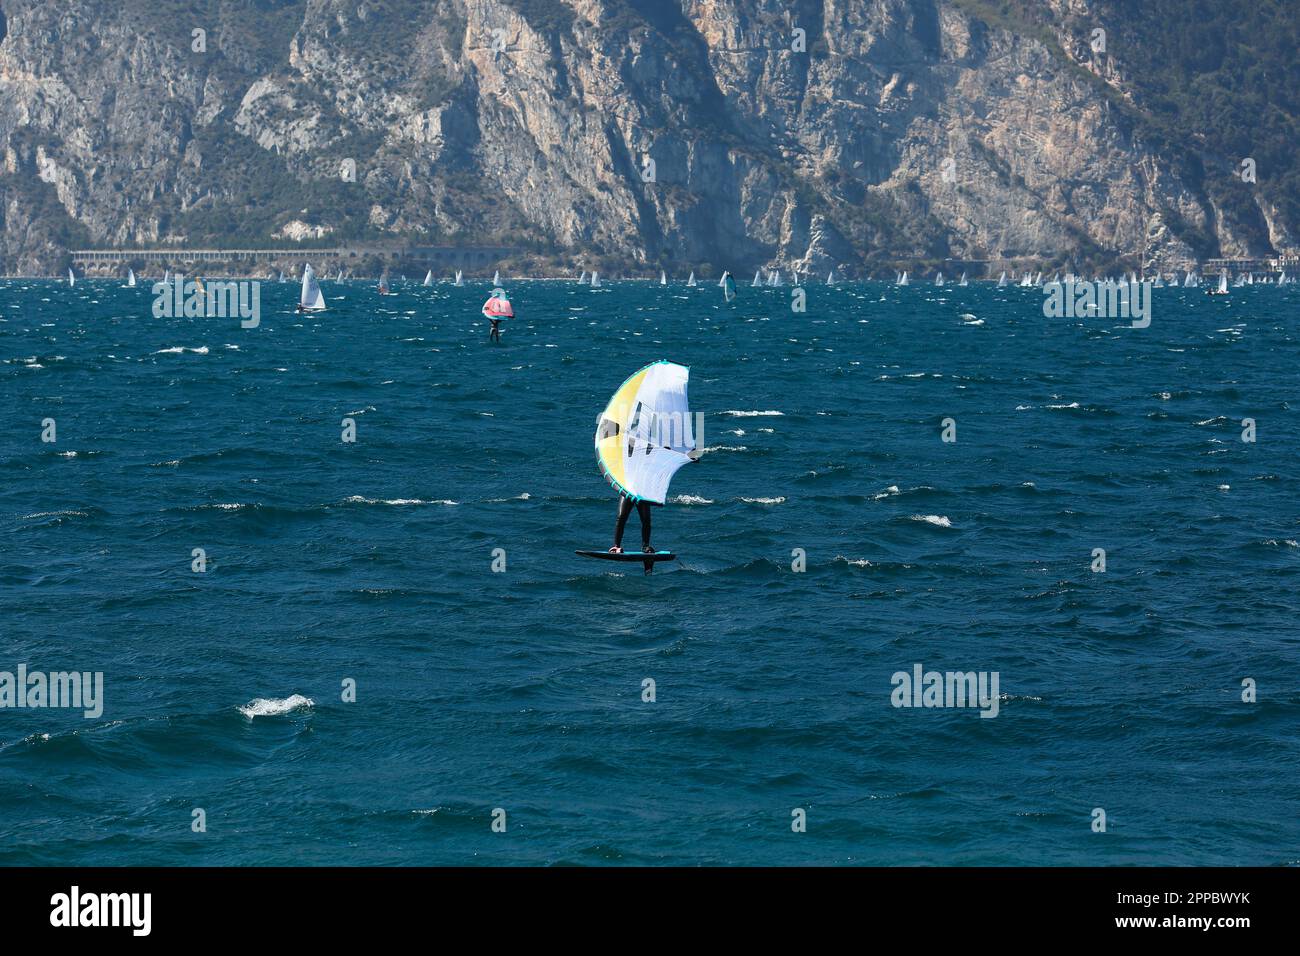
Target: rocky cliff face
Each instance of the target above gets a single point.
(636, 133)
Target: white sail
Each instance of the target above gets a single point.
(663, 277)
(644, 435)
(938, 280)
(1002, 280)
(691, 281)
(830, 277)
(310, 300)
(496, 278)
(1223, 283)
(281, 275)
(595, 279)
(428, 277)
(582, 279)
(130, 278)
(72, 280)
(902, 278)
(963, 279)
(460, 277)
(758, 279)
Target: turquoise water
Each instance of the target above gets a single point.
(522, 690)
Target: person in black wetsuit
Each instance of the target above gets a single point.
(624, 511)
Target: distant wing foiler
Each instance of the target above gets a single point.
(498, 307)
(645, 434)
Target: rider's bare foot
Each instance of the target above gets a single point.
(616, 550)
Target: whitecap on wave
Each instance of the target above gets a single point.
(271, 707)
(940, 521)
(359, 500)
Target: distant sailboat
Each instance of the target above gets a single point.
(582, 279)
(428, 277)
(310, 299)
(830, 277)
(938, 280)
(595, 279)
(963, 279)
(722, 283)
(72, 280)
(1002, 280)
(902, 278)
(460, 277)
(758, 279)
(691, 283)
(728, 287)
(663, 277)
(130, 278)
(1223, 285)
(281, 275)
(496, 278)
(339, 277)
(383, 285)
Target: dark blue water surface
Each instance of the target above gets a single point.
(522, 690)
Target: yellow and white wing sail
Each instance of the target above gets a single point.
(645, 434)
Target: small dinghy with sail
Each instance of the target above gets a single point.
(310, 298)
